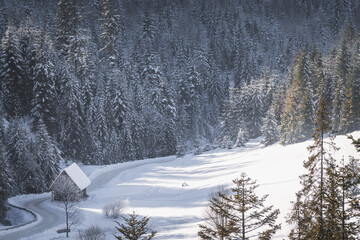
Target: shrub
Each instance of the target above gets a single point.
(91, 233)
(113, 210)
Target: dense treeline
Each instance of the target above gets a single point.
(108, 81)
(285, 110)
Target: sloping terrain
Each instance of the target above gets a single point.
(174, 191)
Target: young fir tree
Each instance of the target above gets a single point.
(243, 134)
(299, 217)
(320, 196)
(349, 211)
(217, 218)
(314, 181)
(270, 128)
(249, 216)
(134, 229)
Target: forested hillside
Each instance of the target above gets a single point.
(106, 81)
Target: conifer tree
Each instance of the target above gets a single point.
(99, 126)
(196, 97)
(320, 196)
(20, 150)
(47, 155)
(305, 115)
(134, 228)
(111, 28)
(342, 70)
(270, 128)
(296, 119)
(66, 25)
(217, 217)
(214, 87)
(254, 110)
(11, 73)
(225, 126)
(27, 47)
(5, 180)
(148, 30)
(288, 121)
(356, 143)
(249, 216)
(72, 123)
(242, 134)
(239, 57)
(299, 217)
(350, 109)
(44, 92)
(316, 179)
(350, 208)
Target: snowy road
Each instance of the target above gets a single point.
(50, 218)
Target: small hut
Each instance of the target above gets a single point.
(71, 179)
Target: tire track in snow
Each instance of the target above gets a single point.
(50, 219)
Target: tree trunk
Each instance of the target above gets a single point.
(67, 220)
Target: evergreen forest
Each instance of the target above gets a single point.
(109, 81)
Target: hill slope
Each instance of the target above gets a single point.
(155, 188)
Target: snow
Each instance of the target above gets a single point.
(154, 187)
(77, 175)
(25, 218)
(17, 217)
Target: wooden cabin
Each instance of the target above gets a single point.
(71, 180)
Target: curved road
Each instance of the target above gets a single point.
(51, 219)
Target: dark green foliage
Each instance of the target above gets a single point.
(355, 142)
(134, 228)
(270, 128)
(299, 218)
(44, 92)
(11, 73)
(323, 208)
(297, 117)
(341, 74)
(47, 155)
(5, 180)
(217, 216)
(72, 124)
(66, 25)
(240, 214)
(111, 27)
(252, 217)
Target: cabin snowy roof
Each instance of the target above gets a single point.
(77, 175)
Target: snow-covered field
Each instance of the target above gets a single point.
(174, 191)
